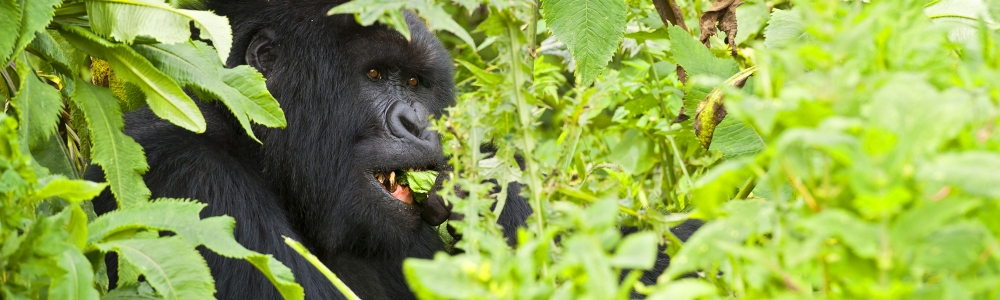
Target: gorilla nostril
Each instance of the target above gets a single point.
(409, 125)
(405, 122)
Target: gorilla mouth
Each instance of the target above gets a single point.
(398, 190)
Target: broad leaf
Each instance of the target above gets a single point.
(10, 21)
(36, 14)
(735, 139)
(37, 105)
(121, 157)
(73, 191)
(695, 58)
(170, 265)
(215, 233)
(592, 29)
(242, 89)
(124, 20)
(78, 280)
(164, 96)
(636, 251)
(784, 27)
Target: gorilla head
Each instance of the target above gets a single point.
(357, 100)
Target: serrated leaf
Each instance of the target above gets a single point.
(242, 88)
(636, 251)
(124, 20)
(164, 96)
(735, 139)
(439, 19)
(784, 27)
(215, 233)
(262, 108)
(78, 280)
(37, 105)
(121, 157)
(592, 29)
(10, 20)
(169, 264)
(73, 191)
(47, 48)
(32, 17)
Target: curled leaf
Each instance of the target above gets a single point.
(722, 12)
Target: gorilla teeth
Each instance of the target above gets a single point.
(387, 180)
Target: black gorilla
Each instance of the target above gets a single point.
(357, 101)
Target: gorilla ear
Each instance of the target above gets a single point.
(260, 52)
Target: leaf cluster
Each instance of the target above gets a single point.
(69, 70)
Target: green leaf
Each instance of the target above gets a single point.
(10, 16)
(735, 139)
(953, 248)
(46, 47)
(857, 234)
(121, 157)
(439, 19)
(37, 105)
(242, 88)
(684, 289)
(592, 29)
(37, 14)
(73, 191)
(169, 264)
(164, 96)
(696, 58)
(182, 218)
(124, 20)
(920, 222)
(78, 280)
(636, 251)
(785, 26)
(972, 172)
(442, 277)
(262, 108)
(420, 182)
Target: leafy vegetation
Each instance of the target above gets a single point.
(837, 149)
(55, 116)
(848, 145)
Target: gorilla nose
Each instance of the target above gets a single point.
(409, 123)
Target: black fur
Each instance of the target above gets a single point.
(312, 181)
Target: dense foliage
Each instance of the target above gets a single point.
(59, 113)
(837, 149)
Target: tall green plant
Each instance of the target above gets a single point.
(839, 149)
(47, 85)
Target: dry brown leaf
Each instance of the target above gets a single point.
(670, 13)
(721, 15)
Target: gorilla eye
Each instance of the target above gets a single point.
(374, 74)
(412, 81)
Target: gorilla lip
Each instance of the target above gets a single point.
(398, 190)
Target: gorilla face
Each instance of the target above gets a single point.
(358, 102)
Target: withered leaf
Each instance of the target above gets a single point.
(670, 13)
(721, 15)
(711, 110)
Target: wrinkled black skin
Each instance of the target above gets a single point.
(311, 180)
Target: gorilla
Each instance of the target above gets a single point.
(357, 102)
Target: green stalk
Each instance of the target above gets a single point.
(524, 112)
